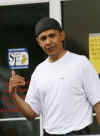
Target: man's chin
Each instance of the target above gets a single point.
(51, 54)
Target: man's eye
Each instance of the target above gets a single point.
(52, 35)
(43, 38)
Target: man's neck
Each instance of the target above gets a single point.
(57, 57)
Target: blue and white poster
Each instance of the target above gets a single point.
(18, 58)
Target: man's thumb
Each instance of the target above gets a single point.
(13, 73)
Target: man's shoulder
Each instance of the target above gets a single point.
(42, 64)
(78, 56)
(39, 68)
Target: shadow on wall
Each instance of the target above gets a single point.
(73, 45)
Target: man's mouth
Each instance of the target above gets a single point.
(51, 48)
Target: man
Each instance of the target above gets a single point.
(64, 88)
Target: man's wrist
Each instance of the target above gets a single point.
(14, 94)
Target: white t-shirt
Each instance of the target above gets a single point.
(64, 92)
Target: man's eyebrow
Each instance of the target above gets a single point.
(44, 36)
(51, 34)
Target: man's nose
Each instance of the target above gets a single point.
(48, 40)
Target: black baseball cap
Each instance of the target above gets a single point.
(46, 24)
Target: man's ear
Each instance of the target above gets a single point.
(37, 40)
(63, 35)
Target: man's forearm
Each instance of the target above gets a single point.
(97, 110)
(23, 107)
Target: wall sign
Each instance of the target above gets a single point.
(94, 50)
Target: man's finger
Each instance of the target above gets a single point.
(13, 73)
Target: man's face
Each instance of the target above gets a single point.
(51, 41)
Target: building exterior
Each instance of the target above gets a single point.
(78, 18)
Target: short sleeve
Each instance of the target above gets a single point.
(32, 96)
(91, 82)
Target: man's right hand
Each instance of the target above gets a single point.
(14, 82)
